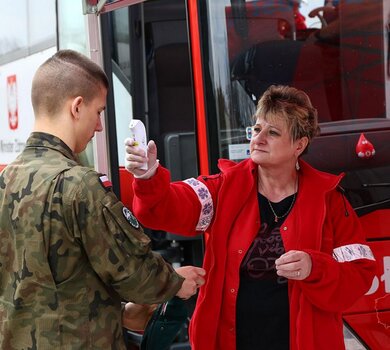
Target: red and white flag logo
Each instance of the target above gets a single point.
(105, 181)
(12, 99)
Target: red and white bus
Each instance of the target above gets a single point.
(193, 71)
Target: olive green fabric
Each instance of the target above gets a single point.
(69, 252)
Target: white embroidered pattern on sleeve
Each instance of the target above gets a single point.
(204, 196)
(352, 252)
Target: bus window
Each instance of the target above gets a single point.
(333, 50)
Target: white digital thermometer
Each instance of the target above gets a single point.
(138, 135)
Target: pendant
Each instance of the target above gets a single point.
(276, 219)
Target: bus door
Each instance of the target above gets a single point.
(338, 52)
(146, 53)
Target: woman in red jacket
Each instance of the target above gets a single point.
(286, 253)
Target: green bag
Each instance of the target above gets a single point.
(164, 325)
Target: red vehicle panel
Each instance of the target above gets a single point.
(378, 297)
(373, 328)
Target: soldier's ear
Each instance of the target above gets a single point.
(76, 106)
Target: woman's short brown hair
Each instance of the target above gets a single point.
(292, 105)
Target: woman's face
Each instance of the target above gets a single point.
(271, 143)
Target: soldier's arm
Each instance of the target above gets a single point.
(117, 248)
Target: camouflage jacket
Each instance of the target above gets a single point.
(69, 253)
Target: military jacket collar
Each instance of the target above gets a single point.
(44, 140)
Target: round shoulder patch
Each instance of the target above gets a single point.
(130, 217)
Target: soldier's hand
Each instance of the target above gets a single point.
(194, 278)
(136, 316)
(135, 157)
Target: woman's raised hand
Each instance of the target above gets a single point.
(135, 158)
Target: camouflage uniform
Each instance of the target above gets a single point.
(69, 251)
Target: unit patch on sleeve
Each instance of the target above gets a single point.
(130, 217)
(106, 183)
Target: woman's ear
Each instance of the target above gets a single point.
(76, 105)
(301, 145)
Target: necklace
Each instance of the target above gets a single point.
(277, 217)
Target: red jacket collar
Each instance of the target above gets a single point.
(312, 177)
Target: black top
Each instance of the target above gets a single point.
(262, 303)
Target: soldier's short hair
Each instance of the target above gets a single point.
(67, 74)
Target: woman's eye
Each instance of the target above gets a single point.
(256, 130)
(273, 132)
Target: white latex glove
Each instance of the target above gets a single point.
(136, 157)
